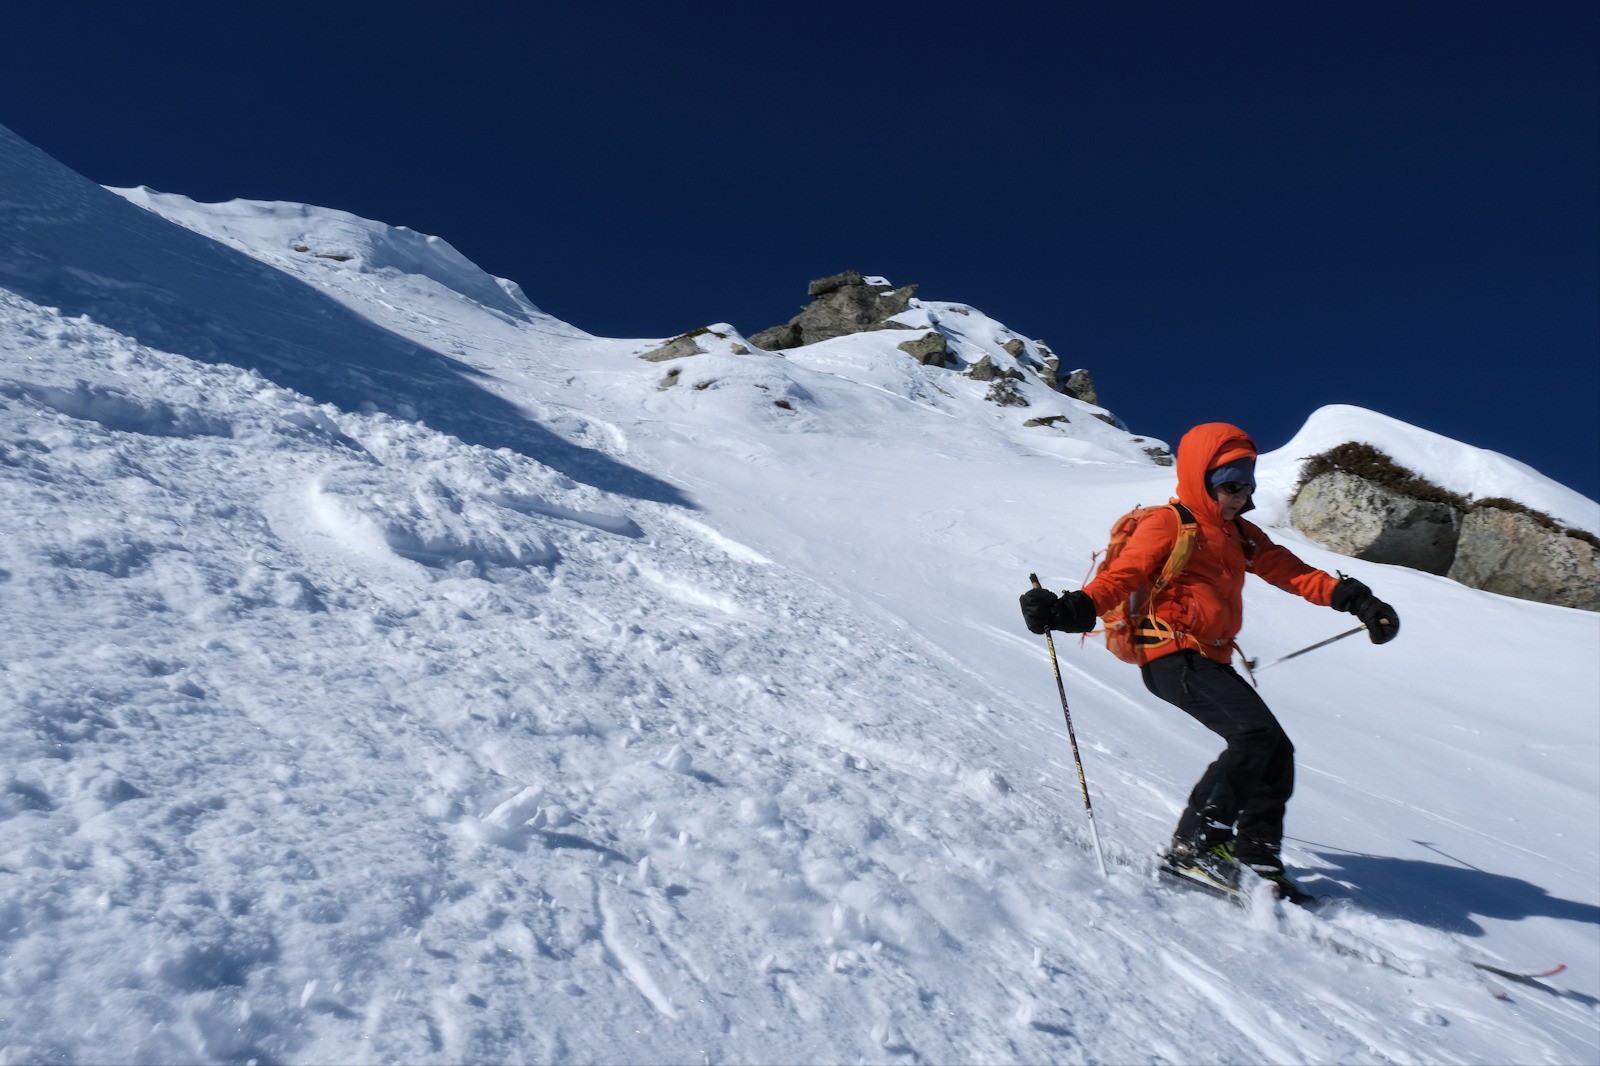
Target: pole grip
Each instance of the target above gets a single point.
(1035, 579)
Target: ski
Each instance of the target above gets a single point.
(1320, 933)
(1527, 975)
(1236, 896)
(1342, 942)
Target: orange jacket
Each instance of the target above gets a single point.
(1205, 603)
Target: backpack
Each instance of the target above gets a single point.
(1128, 627)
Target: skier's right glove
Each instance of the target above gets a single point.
(1043, 610)
(1381, 620)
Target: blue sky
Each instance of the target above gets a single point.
(1237, 212)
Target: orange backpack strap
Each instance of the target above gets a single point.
(1182, 548)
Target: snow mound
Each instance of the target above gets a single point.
(1473, 472)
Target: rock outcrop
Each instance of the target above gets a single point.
(850, 303)
(1079, 385)
(1363, 519)
(930, 349)
(697, 342)
(1507, 549)
(840, 305)
(1355, 500)
(679, 347)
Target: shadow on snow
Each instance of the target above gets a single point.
(1446, 896)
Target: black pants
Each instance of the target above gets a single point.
(1243, 794)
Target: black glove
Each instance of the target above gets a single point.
(1043, 610)
(1352, 597)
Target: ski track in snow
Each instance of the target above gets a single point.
(334, 738)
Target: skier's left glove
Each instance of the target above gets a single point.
(1381, 620)
(1043, 610)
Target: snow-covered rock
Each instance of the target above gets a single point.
(1475, 473)
(1353, 498)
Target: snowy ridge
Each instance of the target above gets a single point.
(464, 694)
(284, 233)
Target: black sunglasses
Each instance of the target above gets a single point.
(1236, 488)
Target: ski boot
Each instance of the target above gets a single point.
(1269, 867)
(1285, 889)
(1210, 865)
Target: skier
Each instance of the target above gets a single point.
(1234, 817)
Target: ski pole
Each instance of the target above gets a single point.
(1250, 664)
(1083, 782)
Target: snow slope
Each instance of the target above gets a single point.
(398, 674)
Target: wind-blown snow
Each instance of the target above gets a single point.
(399, 674)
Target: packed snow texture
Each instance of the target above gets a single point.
(398, 674)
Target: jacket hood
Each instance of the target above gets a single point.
(1202, 448)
